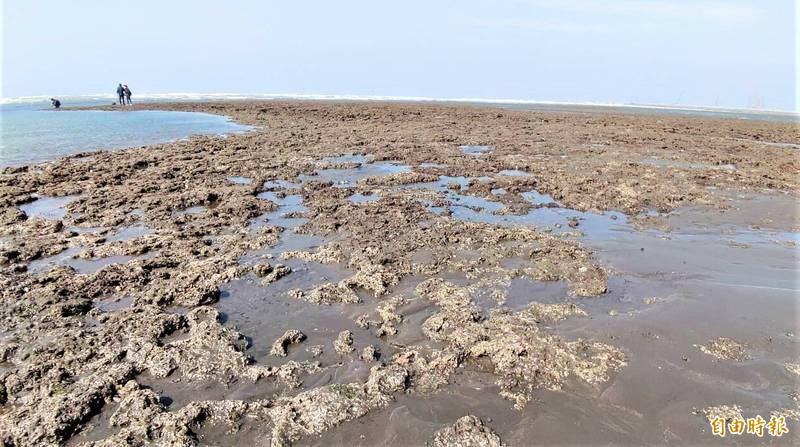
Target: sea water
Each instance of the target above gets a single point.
(33, 133)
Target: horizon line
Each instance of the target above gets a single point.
(352, 97)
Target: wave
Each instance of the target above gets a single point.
(188, 96)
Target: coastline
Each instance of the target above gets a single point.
(370, 228)
(533, 105)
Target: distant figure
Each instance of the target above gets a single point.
(127, 92)
(56, 103)
(121, 94)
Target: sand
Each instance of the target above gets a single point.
(370, 273)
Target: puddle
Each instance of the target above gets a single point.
(475, 150)
(190, 210)
(444, 184)
(345, 178)
(245, 303)
(63, 258)
(523, 291)
(113, 304)
(281, 184)
(69, 257)
(293, 201)
(556, 219)
(781, 145)
(289, 239)
(771, 143)
(128, 233)
(427, 165)
(459, 202)
(240, 180)
(348, 158)
(81, 266)
(288, 205)
(538, 198)
(364, 198)
(48, 207)
(479, 209)
(515, 173)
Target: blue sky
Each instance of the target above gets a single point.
(733, 53)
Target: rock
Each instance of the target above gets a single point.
(652, 300)
(553, 313)
(369, 354)
(327, 294)
(315, 411)
(344, 343)
(512, 345)
(787, 413)
(262, 270)
(363, 321)
(727, 412)
(725, 349)
(278, 272)
(468, 431)
(315, 350)
(280, 346)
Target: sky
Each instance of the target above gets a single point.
(726, 53)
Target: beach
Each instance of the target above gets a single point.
(369, 273)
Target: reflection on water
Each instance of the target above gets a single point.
(348, 177)
(48, 207)
(476, 150)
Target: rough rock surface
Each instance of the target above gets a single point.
(468, 431)
(281, 345)
(513, 345)
(725, 349)
(80, 347)
(727, 412)
(553, 313)
(344, 343)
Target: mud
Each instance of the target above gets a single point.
(367, 274)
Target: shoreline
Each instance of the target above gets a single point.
(348, 260)
(501, 102)
(691, 112)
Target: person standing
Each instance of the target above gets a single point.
(127, 92)
(121, 94)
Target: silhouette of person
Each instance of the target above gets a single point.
(127, 92)
(121, 94)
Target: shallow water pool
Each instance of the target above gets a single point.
(33, 134)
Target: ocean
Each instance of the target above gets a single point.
(32, 132)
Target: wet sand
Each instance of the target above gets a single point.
(565, 278)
